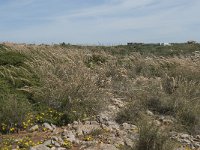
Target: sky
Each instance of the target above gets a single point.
(105, 22)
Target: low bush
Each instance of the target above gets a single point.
(11, 58)
(151, 138)
(131, 114)
(13, 110)
(180, 103)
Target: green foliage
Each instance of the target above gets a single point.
(150, 138)
(189, 118)
(15, 99)
(13, 110)
(11, 58)
(132, 114)
(95, 60)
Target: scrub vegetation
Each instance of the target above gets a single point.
(62, 83)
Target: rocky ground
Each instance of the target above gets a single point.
(102, 133)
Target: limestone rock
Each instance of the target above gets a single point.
(48, 126)
(69, 135)
(53, 126)
(61, 148)
(46, 143)
(94, 123)
(87, 129)
(102, 147)
(129, 142)
(113, 125)
(34, 128)
(184, 136)
(40, 147)
(102, 118)
(126, 126)
(198, 137)
(150, 113)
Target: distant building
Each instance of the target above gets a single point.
(166, 44)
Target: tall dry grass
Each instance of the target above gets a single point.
(81, 80)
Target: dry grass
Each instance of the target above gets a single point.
(80, 81)
(67, 84)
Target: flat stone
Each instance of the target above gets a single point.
(126, 126)
(157, 123)
(75, 123)
(150, 113)
(87, 122)
(196, 145)
(79, 132)
(69, 126)
(129, 142)
(69, 135)
(121, 133)
(53, 126)
(184, 136)
(118, 141)
(112, 139)
(186, 141)
(102, 146)
(55, 138)
(48, 126)
(107, 147)
(40, 147)
(34, 128)
(46, 143)
(87, 129)
(57, 144)
(94, 123)
(198, 137)
(106, 128)
(102, 118)
(53, 142)
(53, 148)
(60, 139)
(61, 148)
(113, 125)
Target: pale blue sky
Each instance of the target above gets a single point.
(99, 21)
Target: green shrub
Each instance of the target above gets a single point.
(160, 104)
(151, 138)
(132, 114)
(189, 118)
(11, 58)
(178, 99)
(95, 59)
(13, 110)
(15, 80)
